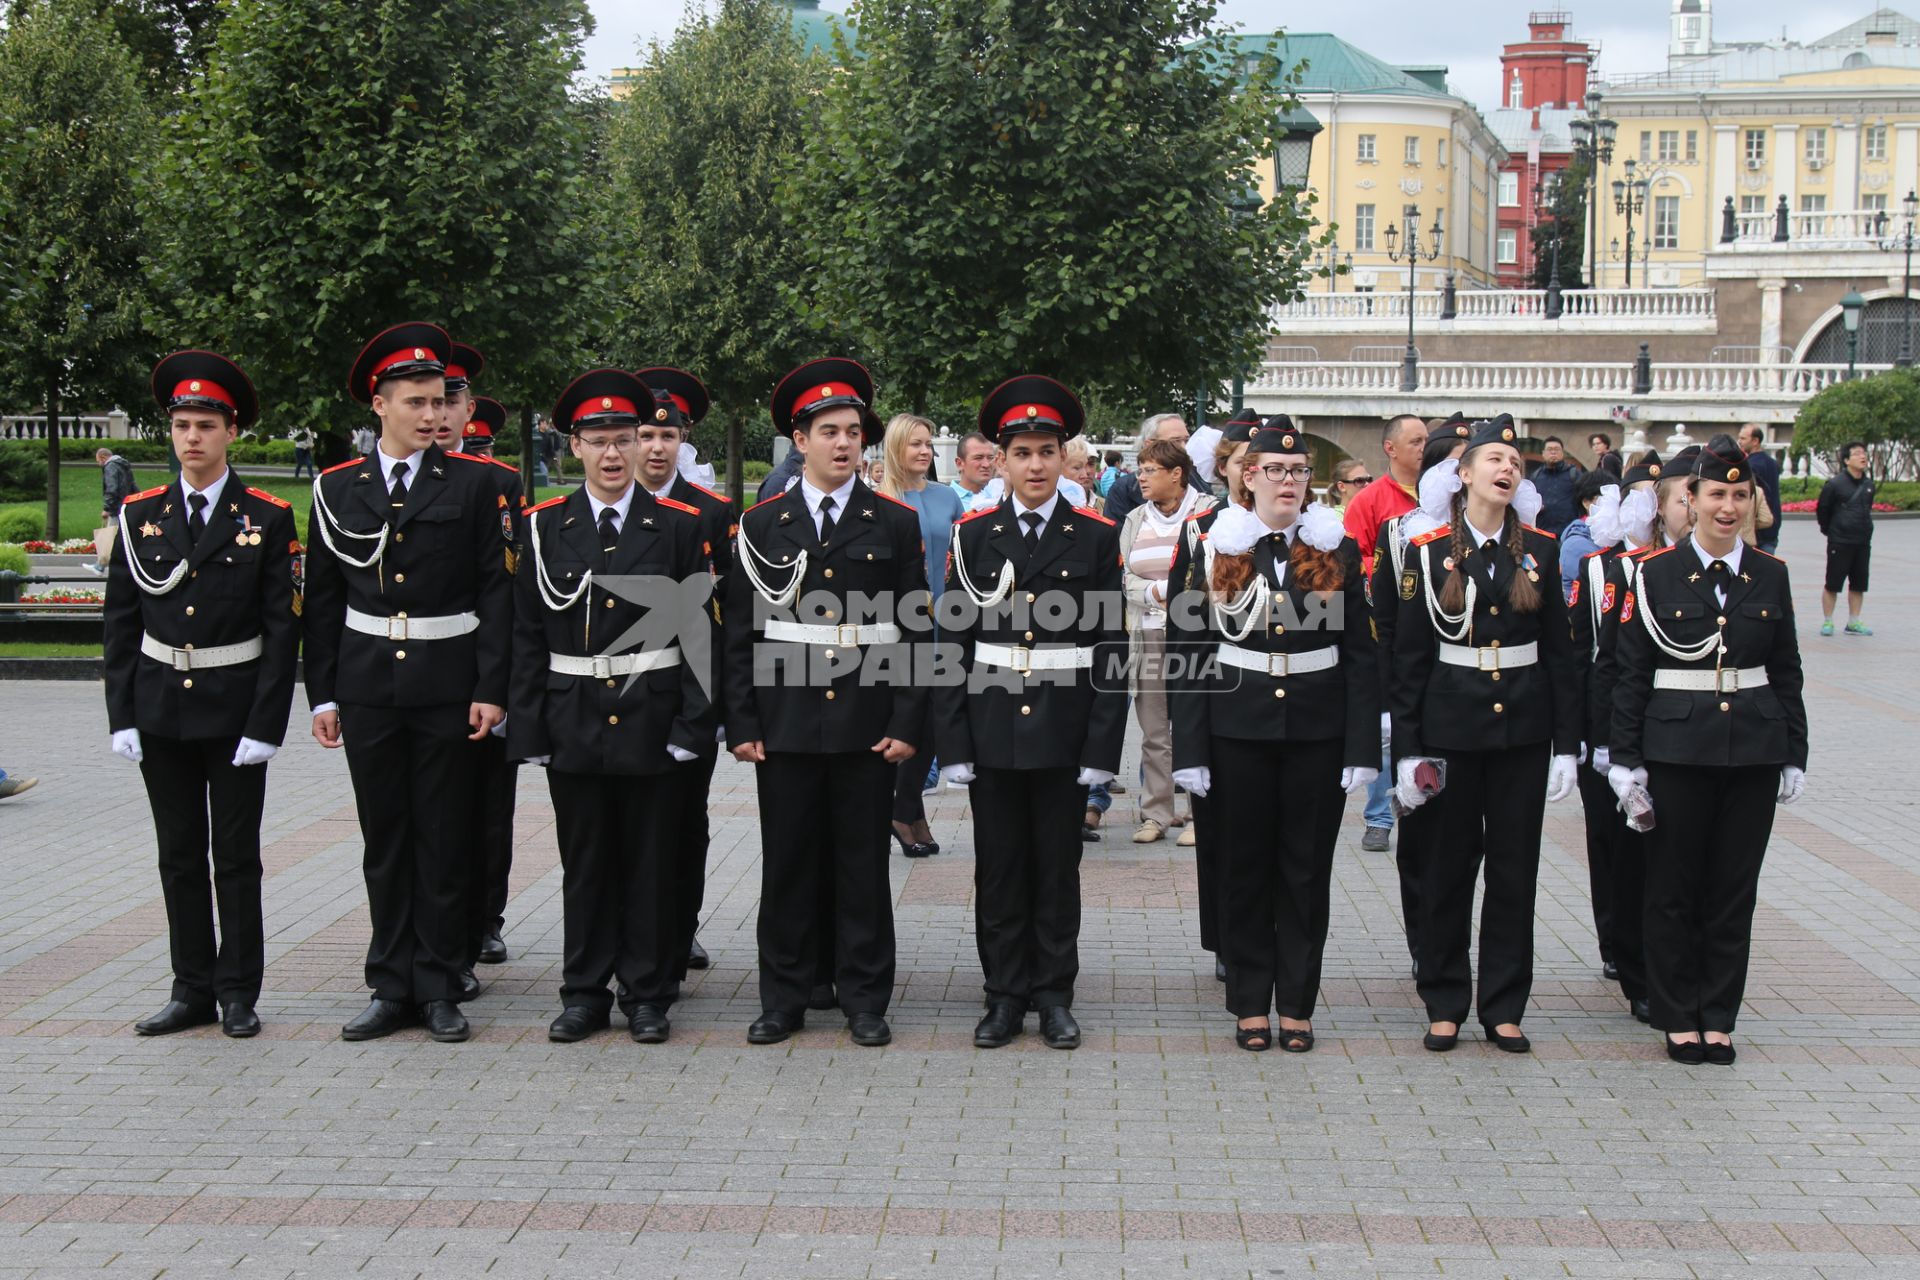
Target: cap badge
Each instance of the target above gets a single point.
(606, 402)
(419, 353)
(1654, 471)
(1033, 411)
(194, 385)
(659, 415)
(1286, 442)
(1733, 473)
(1506, 433)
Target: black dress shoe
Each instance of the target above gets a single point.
(775, 1025)
(823, 996)
(697, 957)
(445, 1022)
(239, 1021)
(1219, 969)
(648, 1024)
(1686, 1052)
(469, 986)
(1058, 1030)
(931, 846)
(576, 1023)
(1507, 1044)
(1089, 835)
(1001, 1024)
(1641, 1009)
(1435, 1042)
(493, 948)
(177, 1015)
(1720, 1055)
(870, 1030)
(1610, 971)
(380, 1018)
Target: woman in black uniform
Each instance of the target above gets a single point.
(1708, 718)
(1483, 683)
(1287, 707)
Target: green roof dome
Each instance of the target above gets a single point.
(815, 26)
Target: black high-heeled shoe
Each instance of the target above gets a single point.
(1296, 1039)
(1254, 1039)
(913, 848)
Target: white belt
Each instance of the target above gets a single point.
(404, 628)
(192, 659)
(1021, 660)
(1725, 680)
(605, 667)
(1491, 658)
(846, 634)
(1279, 665)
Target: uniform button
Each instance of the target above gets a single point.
(1493, 609)
(1763, 613)
(189, 648)
(827, 614)
(1026, 711)
(1495, 674)
(1726, 706)
(1721, 621)
(613, 719)
(609, 604)
(829, 573)
(1031, 597)
(401, 614)
(1063, 573)
(611, 683)
(869, 555)
(399, 537)
(1279, 693)
(187, 683)
(830, 695)
(189, 611)
(1028, 634)
(1279, 631)
(1494, 645)
(400, 654)
(1676, 613)
(399, 577)
(829, 653)
(1499, 707)
(194, 574)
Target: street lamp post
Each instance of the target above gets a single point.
(1593, 136)
(1554, 304)
(1909, 209)
(1850, 308)
(1412, 255)
(1630, 197)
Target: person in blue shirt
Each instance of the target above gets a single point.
(1576, 540)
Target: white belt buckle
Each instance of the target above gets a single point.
(1480, 657)
(847, 635)
(602, 667)
(1726, 680)
(1020, 660)
(1285, 661)
(397, 628)
(183, 659)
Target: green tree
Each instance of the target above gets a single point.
(1046, 185)
(705, 253)
(71, 312)
(1565, 220)
(342, 166)
(1882, 412)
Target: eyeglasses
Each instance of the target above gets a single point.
(620, 443)
(1277, 473)
(1358, 480)
(1149, 470)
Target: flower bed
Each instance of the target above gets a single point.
(1810, 505)
(66, 595)
(68, 547)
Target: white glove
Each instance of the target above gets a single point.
(1561, 773)
(1792, 782)
(1582, 757)
(126, 744)
(1197, 781)
(1622, 779)
(1602, 758)
(500, 730)
(1409, 794)
(1094, 778)
(958, 774)
(540, 760)
(680, 753)
(1386, 730)
(252, 752)
(1354, 780)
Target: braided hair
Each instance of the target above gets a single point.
(1523, 593)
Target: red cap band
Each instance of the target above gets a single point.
(825, 391)
(479, 428)
(681, 401)
(406, 355)
(606, 404)
(455, 371)
(1032, 414)
(203, 389)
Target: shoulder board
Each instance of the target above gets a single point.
(678, 505)
(264, 496)
(474, 457)
(895, 501)
(1433, 535)
(769, 501)
(1090, 513)
(975, 515)
(550, 502)
(342, 466)
(1655, 555)
(1768, 554)
(148, 493)
(710, 493)
(1542, 532)
(1591, 554)
(1198, 515)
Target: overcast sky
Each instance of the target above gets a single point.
(1463, 37)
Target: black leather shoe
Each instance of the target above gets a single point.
(870, 1030)
(239, 1021)
(1219, 970)
(576, 1023)
(697, 957)
(823, 996)
(445, 1022)
(648, 1024)
(1058, 1030)
(1641, 1009)
(775, 1025)
(177, 1015)
(1610, 971)
(380, 1018)
(469, 987)
(1435, 1042)
(1507, 1044)
(1001, 1024)
(493, 948)
(1688, 1052)
(1720, 1055)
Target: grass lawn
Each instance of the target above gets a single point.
(32, 649)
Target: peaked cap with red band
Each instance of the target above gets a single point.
(1030, 402)
(488, 420)
(411, 350)
(678, 391)
(464, 365)
(604, 398)
(818, 385)
(204, 380)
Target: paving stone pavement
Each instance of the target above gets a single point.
(1154, 1150)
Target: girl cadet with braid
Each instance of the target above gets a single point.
(1484, 700)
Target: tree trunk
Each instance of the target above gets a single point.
(53, 456)
(526, 453)
(736, 463)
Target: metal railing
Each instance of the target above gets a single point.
(1573, 379)
(1502, 304)
(1857, 227)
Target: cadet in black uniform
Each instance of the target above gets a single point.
(1484, 681)
(1282, 719)
(201, 628)
(686, 401)
(1708, 718)
(819, 696)
(483, 428)
(408, 619)
(604, 696)
(1036, 721)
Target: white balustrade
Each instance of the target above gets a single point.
(1495, 306)
(1572, 379)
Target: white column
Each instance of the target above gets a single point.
(1727, 168)
(1770, 291)
(1844, 160)
(1786, 166)
(1906, 158)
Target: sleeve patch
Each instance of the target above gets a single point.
(1573, 593)
(1626, 610)
(1606, 599)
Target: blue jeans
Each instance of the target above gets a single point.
(1379, 810)
(1099, 799)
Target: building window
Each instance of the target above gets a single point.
(1693, 146)
(1509, 190)
(1413, 151)
(1873, 200)
(1363, 228)
(1507, 246)
(1756, 148)
(1646, 146)
(1669, 146)
(1666, 222)
(1813, 204)
(1550, 188)
(1753, 205)
(1816, 147)
(1441, 147)
(1690, 29)
(1367, 155)
(1876, 142)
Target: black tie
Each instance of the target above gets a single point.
(398, 493)
(197, 522)
(826, 520)
(1491, 549)
(1717, 577)
(609, 534)
(1032, 521)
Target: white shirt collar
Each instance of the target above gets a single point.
(663, 491)
(619, 507)
(211, 492)
(1044, 510)
(1732, 558)
(1480, 537)
(812, 496)
(387, 465)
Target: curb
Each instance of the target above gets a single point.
(52, 668)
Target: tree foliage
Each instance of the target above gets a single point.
(342, 166)
(1882, 412)
(1566, 221)
(1044, 185)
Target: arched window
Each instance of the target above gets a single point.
(1881, 327)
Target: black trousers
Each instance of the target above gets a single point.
(1278, 869)
(1208, 876)
(617, 887)
(910, 777)
(1489, 814)
(1629, 908)
(1416, 842)
(1026, 882)
(1604, 824)
(692, 784)
(497, 778)
(1703, 879)
(823, 828)
(411, 768)
(203, 805)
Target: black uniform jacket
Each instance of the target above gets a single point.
(719, 524)
(444, 555)
(1594, 612)
(816, 698)
(1751, 726)
(1438, 707)
(1066, 594)
(1218, 701)
(233, 590)
(610, 724)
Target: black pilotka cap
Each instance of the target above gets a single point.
(1497, 431)
(1647, 468)
(1279, 435)
(1241, 426)
(1723, 460)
